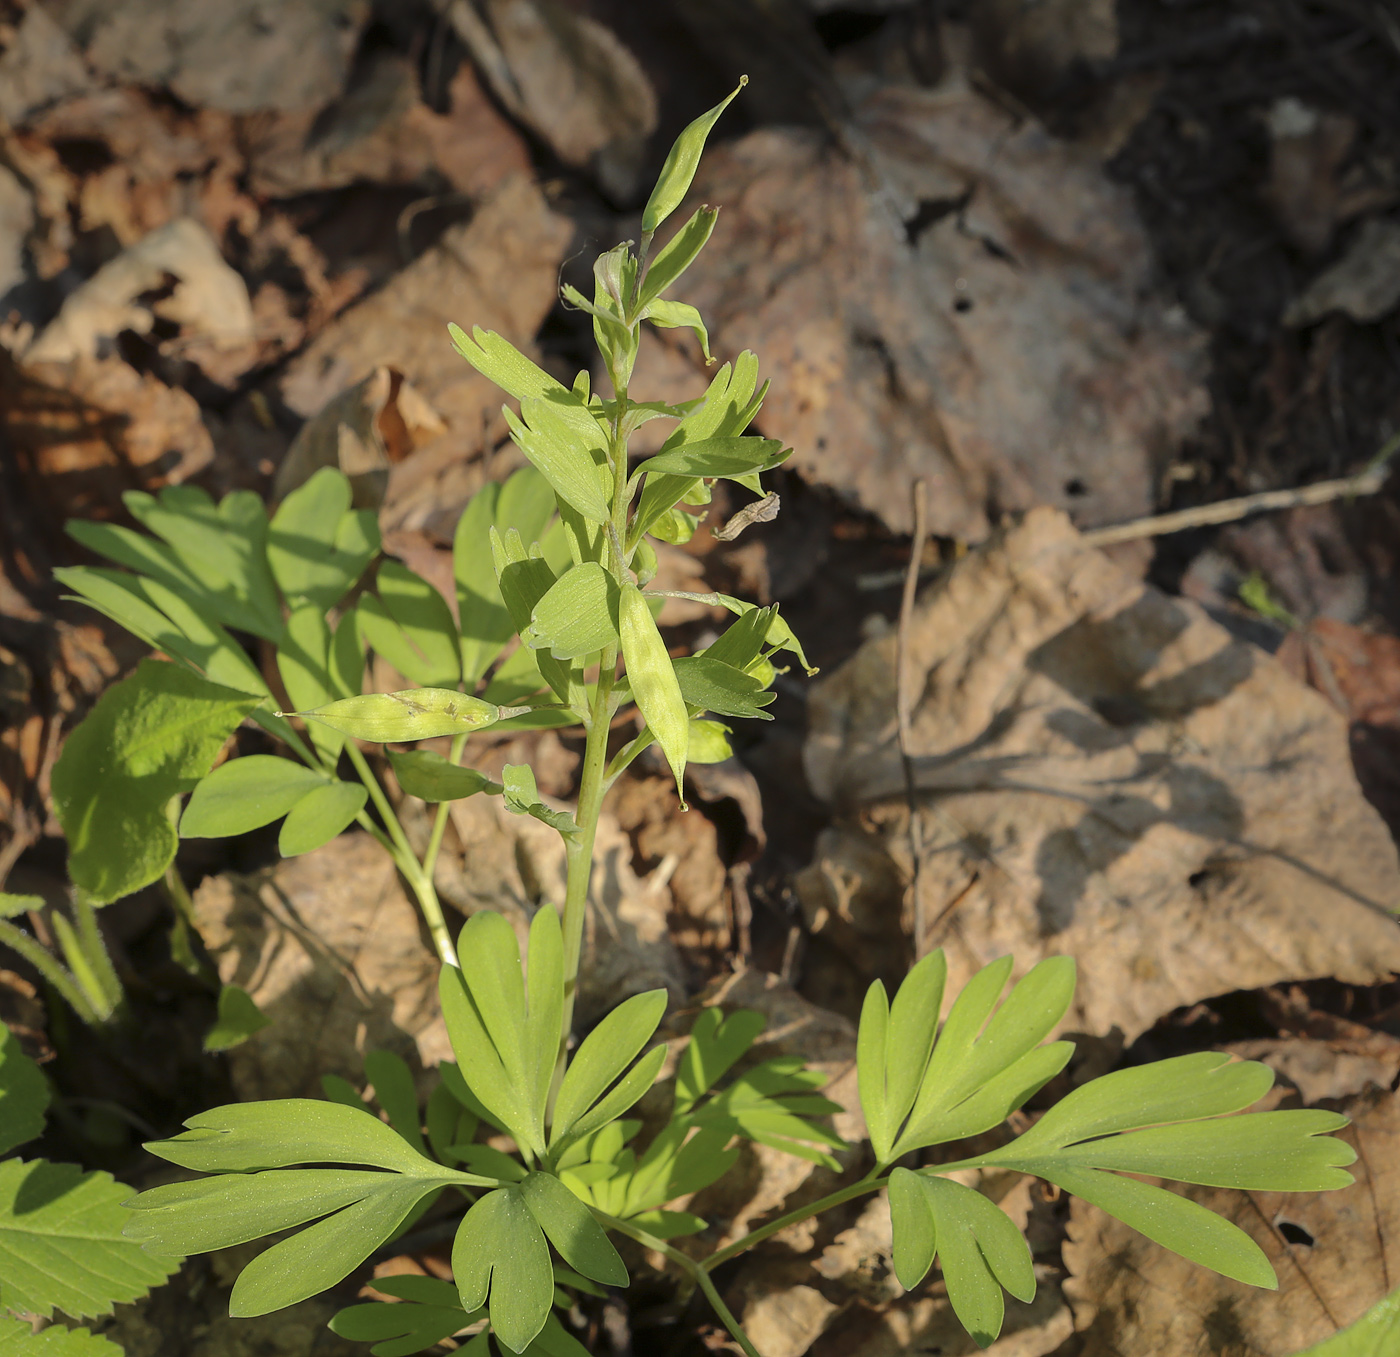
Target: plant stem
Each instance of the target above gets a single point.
(95, 949)
(870, 1183)
(50, 968)
(579, 847)
(459, 742)
(691, 1267)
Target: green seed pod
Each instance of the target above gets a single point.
(414, 714)
(654, 685)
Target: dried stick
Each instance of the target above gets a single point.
(904, 703)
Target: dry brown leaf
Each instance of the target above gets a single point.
(1104, 772)
(332, 950)
(209, 300)
(38, 67)
(1363, 284)
(567, 77)
(362, 432)
(16, 220)
(224, 55)
(1130, 1295)
(498, 271)
(982, 317)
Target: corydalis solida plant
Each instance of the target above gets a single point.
(561, 557)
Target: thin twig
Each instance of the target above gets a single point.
(1367, 482)
(904, 701)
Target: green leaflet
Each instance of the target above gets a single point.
(24, 1094)
(149, 737)
(412, 714)
(245, 794)
(679, 169)
(501, 362)
(319, 816)
(577, 1237)
(558, 454)
(317, 546)
(979, 1249)
(1375, 1334)
(16, 1340)
(716, 1042)
(708, 742)
(432, 1312)
(61, 1243)
(409, 623)
(678, 315)
(158, 616)
(711, 685)
(430, 777)
(578, 614)
(395, 1093)
(677, 255)
(607, 1050)
(501, 1250)
(655, 688)
(303, 660)
(727, 458)
(522, 797)
(239, 1017)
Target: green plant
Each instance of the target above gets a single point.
(575, 594)
(61, 1241)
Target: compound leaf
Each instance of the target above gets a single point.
(716, 1043)
(409, 623)
(61, 1243)
(149, 737)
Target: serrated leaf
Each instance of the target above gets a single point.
(577, 616)
(577, 1237)
(408, 715)
(245, 794)
(24, 1094)
(676, 174)
(430, 777)
(602, 1056)
(317, 545)
(655, 686)
(238, 1018)
(319, 816)
(711, 685)
(17, 1340)
(501, 1250)
(61, 1244)
(149, 737)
